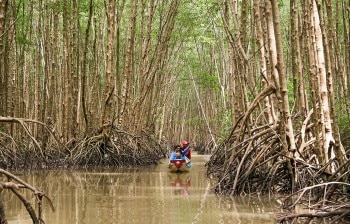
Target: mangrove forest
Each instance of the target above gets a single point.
(262, 86)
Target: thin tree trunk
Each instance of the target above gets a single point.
(74, 82)
(109, 88)
(52, 95)
(327, 133)
(129, 60)
(84, 70)
(266, 78)
(65, 73)
(285, 112)
(3, 82)
(144, 74)
(313, 78)
(329, 41)
(297, 65)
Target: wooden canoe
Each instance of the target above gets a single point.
(178, 165)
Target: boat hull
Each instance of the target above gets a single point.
(178, 165)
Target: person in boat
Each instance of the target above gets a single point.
(178, 154)
(186, 149)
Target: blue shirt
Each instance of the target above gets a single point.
(174, 157)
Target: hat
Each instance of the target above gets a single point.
(185, 143)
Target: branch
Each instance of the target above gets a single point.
(302, 191)
(312, 215)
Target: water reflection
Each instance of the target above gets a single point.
(150, 195)
(180, 183)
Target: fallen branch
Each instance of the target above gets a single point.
(302, 191)
(313, 215)
(14, 187)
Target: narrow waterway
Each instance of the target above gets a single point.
(144, 196)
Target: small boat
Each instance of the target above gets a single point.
(179, 165)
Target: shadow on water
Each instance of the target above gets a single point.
(150, 195)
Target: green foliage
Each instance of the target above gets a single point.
(203, 79)
(194, 121)
(194, 27)
(225, 119)
(195, 18)
(208, 81)
(281, 3)
(343, 122)
(22, 40)
(55, 6)
(23, 26)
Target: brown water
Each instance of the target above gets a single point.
(144, 196)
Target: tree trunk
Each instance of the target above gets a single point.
(325, 119)
(329, 41)
(84, 65)
(128, 69)
(109, 88)
(3, 76)
(285, 120)
(266, 77)
(144, 75)
(297, 65)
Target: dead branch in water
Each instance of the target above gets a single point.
(14, 184)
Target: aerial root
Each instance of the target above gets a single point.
(118, 149)
(326, 200)
(254, 160)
